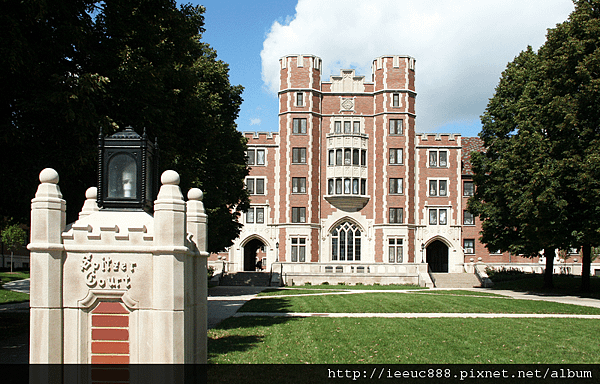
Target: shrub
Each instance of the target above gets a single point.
(506, 274)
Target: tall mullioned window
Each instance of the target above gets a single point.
(346, 242)
(298, 249)
(395, 250)
(438, 159)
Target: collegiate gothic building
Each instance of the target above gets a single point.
(348, 191)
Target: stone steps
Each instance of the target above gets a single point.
(249, 279)
(455, 280)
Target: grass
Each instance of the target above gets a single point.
(358, 286)
(6, 277)
(379, 302)
(13, 323)
(563, 285)
(404, 341)
(7, 296)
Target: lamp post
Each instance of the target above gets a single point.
(422, 252)
(127, 171)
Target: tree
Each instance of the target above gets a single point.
(13, 237)
(538, 183)
(516, 195)
(106, 65)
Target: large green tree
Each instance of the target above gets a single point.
(538, 183)
(75, 67)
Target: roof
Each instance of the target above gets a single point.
(470, 144)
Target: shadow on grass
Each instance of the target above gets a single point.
(268, 304)
(13, 323)
(564, 285)
(221, 341)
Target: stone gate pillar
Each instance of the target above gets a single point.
(118, 286)
(48, 219)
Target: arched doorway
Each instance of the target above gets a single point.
(437, 256)
(254, 250)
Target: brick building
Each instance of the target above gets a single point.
(348, 191)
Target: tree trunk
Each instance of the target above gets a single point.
(586, 266)
(548, 281)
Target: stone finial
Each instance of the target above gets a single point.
(170, 186)
(90, 205)
(195, 194)
(49, 175)
(170, 178)
(49, 185)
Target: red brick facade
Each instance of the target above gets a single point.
(347, 180)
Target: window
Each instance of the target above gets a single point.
(468, 188)
(338, 186)
(298, 184)
(395, 250)
(260, 215)
(338, 127)
(347, 186)
(255, 215)
(299, 99)
(357, 127)
(468, 218)
(251, 156)
(298, 249)
(338, 157)
(255, 186)
(330, 186)
(396, 100)
(298, 215)
(469, 246)
(438, 187)
(363, 157)
(395, 127)
(260, 157)
(396, 156)
(434, 156)
(363, 186)
(396, 187)
(438, 216)
(331, 157)
(345, 242)
(355, 157)
(347, 128)
(396, 215)
(256, 156)
(299, 126)
(347, 156)
(355, 186)
(299, 155)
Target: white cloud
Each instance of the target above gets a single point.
(461, 46)
(255, 121)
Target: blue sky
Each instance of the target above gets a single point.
(461, 47)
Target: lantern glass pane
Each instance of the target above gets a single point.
(122, 177)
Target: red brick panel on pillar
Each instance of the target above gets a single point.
(110, 334)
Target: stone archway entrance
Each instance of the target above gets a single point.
(437, 256)
(253, 249)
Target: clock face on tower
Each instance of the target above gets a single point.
(347, 104)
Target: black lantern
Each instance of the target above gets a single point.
(127, 171)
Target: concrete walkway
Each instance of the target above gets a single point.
(223, 302)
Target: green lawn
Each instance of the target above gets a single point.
(393, 302)
(404, 341)
(7, 296)
(563, 285)
(5, 277)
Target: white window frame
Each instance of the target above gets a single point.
(396, 156)
(394, 182)
(252, 185)
(299, 185)
(395, 250)
(469, 250)
(394, 126)
(299, 99)
(298, 249)
(299, 126)
(437, 163)
(437, 192)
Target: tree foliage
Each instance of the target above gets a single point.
(73, 68)
(538, 183)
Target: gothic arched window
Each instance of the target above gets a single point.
(345, 242)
